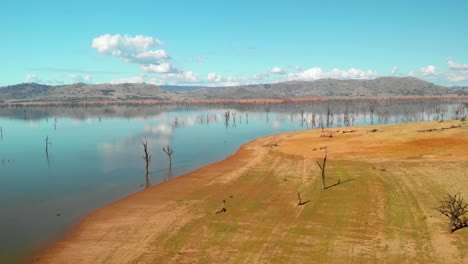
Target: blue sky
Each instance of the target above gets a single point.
(222, 43)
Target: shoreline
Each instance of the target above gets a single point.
(132, 228)
(17, 103)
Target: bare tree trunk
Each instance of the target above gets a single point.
(47, 150)
(450, 226)
(454, 208)
(146, 156)
(322, 168)
(168, 150)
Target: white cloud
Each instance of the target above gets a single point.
(164, 67)
(31, 77)
(277, 70)
(187, 76)
(59, 79)
(429, 70)
(168, 78)
(134, 79)
(458, 76)
(456, 66)
(155, 55)
(155, 81)
(317, 73)
(131, 49)
(214, 77)
(411, 74)
(260, 76)
(160, 129)
(394, 70)
(80, 78)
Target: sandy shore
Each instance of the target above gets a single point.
(390, 178)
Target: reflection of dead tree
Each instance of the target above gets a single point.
(147, 156)
(454, 208)
(233, 119)
(372, 106)
(267, 111)
(459, 112)
(346, 117)
(1, 133)
(313, 120)
(222, 210)
(330, 117)
(322, 168)
(227, 117)
(302, 118)
(321, 122)
(47, 148)
(168, 150)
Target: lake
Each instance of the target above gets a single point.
(59, 163)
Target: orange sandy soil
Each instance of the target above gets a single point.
(381, 212)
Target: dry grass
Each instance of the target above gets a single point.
(381, 212)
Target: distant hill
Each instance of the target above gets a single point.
(385, 86)
(85, 92)
(23, 91)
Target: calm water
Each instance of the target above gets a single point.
(95, 155)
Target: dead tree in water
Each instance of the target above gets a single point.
(146, 156)
(322, 168)
(168, 150)
(47, 143)
(329, 117)
(454, 208)
(1, 133)
(267, 111)
(227, 117)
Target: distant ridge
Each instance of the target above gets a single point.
(384, 86)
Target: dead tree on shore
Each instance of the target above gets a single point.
(299, 200)
(146, 157)
(454, 208)
(322, 168)
(222, 210)
(168, 150)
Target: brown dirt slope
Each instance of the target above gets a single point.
(381, 212)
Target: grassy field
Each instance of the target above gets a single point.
(390, 179)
